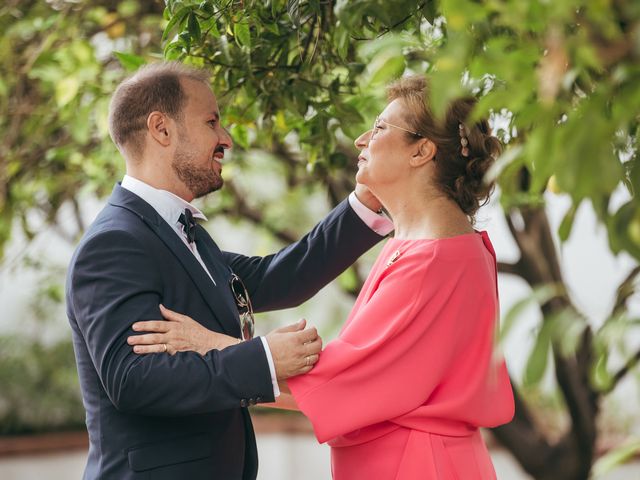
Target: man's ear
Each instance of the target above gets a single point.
(158, 125)
(424, 152)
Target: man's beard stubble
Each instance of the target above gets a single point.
(199, 180)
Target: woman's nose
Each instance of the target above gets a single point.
(363, 140)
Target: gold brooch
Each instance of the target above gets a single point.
(394, 256)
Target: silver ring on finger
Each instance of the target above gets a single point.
(164, 346)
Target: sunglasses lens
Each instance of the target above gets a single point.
(247, 325)
(247, 322)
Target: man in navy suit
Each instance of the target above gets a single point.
(184, 415)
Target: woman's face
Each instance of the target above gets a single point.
(385, 149)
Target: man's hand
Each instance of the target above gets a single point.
(294, 349)
(367, 198)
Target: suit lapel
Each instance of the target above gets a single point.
(214, 296)
(219, 270)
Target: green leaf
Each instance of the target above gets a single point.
(348, 280)
(193, 27)
(616, 457)
(293, 9)
(242, 34)
(539, 296)
(175, 20)
(240, 136)
(66, 90)
(567, 223)
(390, 69)
(130, 61)
(600, 376)
(538, 359)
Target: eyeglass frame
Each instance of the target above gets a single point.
(247, 320)
(375, 128)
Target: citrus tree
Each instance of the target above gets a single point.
(57, 71)
(298, 80)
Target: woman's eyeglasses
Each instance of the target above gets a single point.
(376, 127)
(241, 296)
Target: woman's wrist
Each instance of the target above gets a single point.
(220, 341)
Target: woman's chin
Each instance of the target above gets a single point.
(361, 176)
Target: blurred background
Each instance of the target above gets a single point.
(297, 82)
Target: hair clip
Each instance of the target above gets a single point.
(464, 140)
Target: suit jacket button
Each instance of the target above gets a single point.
(243, 402)
(258, 399)
(252, 401)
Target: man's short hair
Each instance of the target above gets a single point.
(154, 87)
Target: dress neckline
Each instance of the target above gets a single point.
(474, 234)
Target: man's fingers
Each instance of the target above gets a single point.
(311, 360)
(159, 326)
(308, 335)
(294, 327)
(312, 348)
(146, 339)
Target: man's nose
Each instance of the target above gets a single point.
(225, 139)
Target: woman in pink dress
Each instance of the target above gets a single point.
(414, 373)
(402, 391)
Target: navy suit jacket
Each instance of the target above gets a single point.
(183, 416)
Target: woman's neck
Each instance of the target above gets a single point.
(430, 215)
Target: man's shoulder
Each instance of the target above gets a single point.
(115, 225)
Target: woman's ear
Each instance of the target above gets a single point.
(158, 126)
(424, 152)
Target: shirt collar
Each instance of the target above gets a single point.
(168, 205)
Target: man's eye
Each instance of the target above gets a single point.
(212, 123)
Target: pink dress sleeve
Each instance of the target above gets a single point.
(391, 354)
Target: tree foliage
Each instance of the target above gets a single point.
(299, 79)
(60, 72)
(561, 76)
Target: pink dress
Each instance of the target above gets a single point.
(401, 392)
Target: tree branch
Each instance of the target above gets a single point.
(620, 374)
(395, 25)
(242, 209)
(510, 268)
(523, 439)
(625, 290)
(572, 375)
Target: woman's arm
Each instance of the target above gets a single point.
(177, 333)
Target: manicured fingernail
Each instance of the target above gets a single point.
(135, 326)
(136, 349)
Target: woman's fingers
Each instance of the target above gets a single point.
(147, 339)
(144, 349)
(159, 326)
(171, 315)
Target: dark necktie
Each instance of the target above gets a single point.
(189, 224)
